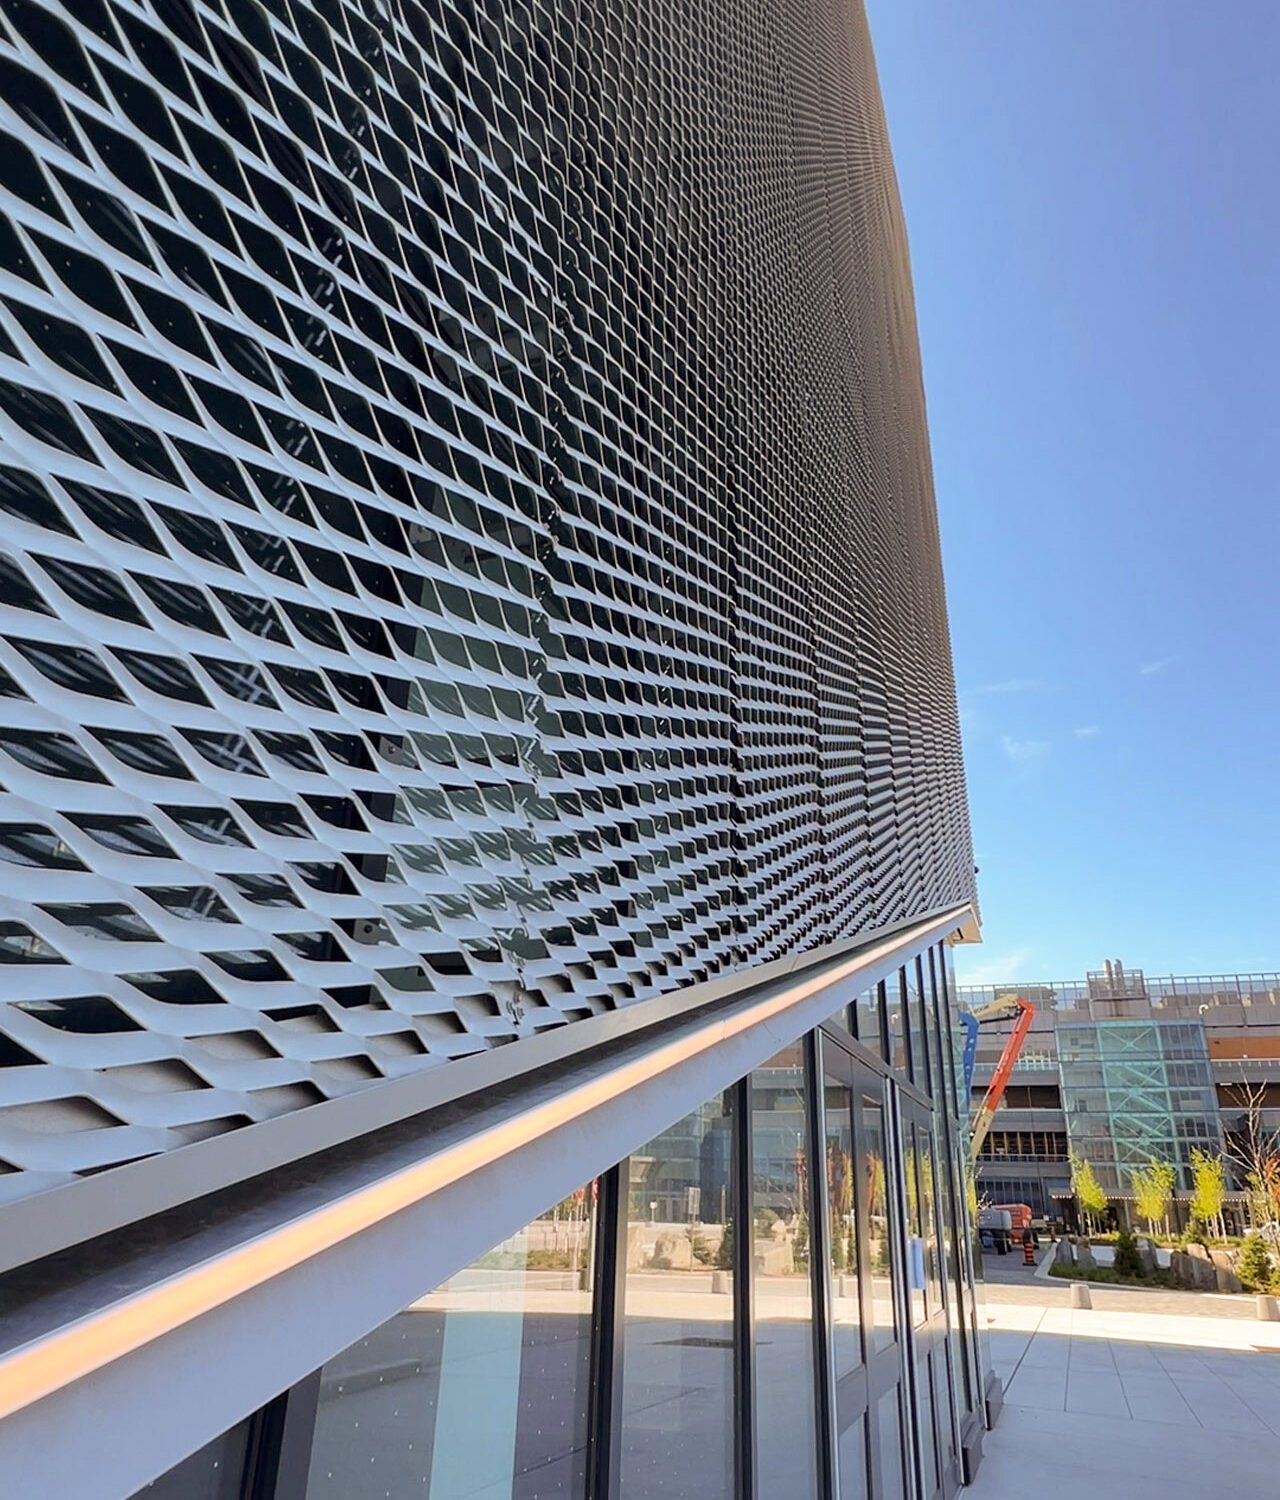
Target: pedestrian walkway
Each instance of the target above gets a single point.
(1133, 1405)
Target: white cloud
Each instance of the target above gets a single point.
(1021, 751)
(1154, 668)
(997, 968)
(1087, 731)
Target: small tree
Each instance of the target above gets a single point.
(971, 1195)
(1128, 1262)
(800, 1247)
(1152, 1188)
(701, 1251)
(1253, 1150)
(724, 1250)
(1088, 1190)
(1254, 1265)
(1209, 1191)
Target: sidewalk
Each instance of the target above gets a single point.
(1132, 1405)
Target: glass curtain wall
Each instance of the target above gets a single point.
(965, 1194)
(786, 1426)
(478, 1390)
(678, 1339)
(1134, 1091)
(770, 1300)
(843, 1290)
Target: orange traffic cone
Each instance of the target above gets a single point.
(1029, 1253)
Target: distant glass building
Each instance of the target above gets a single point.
(1137, 1091)
(1121, 1068)
(482, 819)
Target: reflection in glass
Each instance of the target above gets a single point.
(868, 1010)
(477, 1390)
(851, 1456)
(940, 1356)
(842, 1240)
(677, 1363)
(940, 1053)
(923, 1040)
(929, 1216)
(915, 1236)
(917, 1258)
(950, 1199)
(889, 1421)
(785, 1411)
(879, 1235)
(898, 1019)
(841, 1020)
(975, 1302)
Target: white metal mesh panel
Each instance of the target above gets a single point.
(467, 550)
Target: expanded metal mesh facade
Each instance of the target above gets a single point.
(468, 550)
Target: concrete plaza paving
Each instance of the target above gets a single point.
(1132, 1404)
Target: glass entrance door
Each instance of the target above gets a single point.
(929, 1347)
(864, 1275)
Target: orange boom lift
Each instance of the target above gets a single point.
(1008, 1058)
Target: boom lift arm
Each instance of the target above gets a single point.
(1008, 1059)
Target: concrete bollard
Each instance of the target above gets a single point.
(721, 1282)
(1268, 1309)
(1080, 1295)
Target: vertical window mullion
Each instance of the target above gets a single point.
(604, 1441)
(824, 1368)
(744, 1333)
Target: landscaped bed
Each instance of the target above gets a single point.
(1110, 1277)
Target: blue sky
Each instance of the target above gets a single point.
(1092, 195)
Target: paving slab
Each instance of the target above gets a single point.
(1121, 1405)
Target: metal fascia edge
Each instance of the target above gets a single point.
(47, 1364)
(48, 1222)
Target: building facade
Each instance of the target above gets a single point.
(478, 705)
(1121, 1069)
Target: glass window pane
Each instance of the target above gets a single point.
(677, 1369)
(479, 1389)
(889, 1422)
(940, 1052)
(929, 1217)
(214, 1472)
(966, 1186)
(868, 1011)
(915, 1234)
(923, 1041)
(898, 1016)
(852, 1458)
(918, 1276)
(786, 1420)
(879, 1235)
(841, 1020)
(842, 1240)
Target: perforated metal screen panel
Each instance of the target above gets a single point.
(467, 547)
